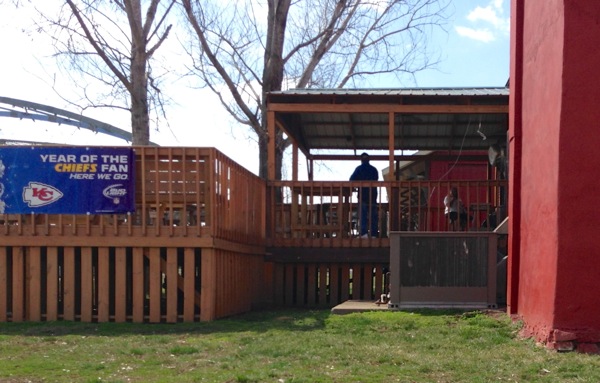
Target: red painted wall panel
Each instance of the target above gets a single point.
(557, 253)
(579, 251)
(455, 171)
(541, 103)
(515, 142)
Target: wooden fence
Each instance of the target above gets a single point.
(192, 250)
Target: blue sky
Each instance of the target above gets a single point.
(474, 52)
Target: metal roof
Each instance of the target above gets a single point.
(424, 118)
(433, 91)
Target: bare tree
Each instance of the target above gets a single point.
(111, 43)
(242, 51)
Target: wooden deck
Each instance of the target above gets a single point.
(193, 249)
(315, 254)
(209, 239)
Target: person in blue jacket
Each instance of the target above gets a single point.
(367, 196)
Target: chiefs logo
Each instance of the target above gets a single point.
(39, 194)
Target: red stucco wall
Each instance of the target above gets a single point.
(515, 142)
(556, 248)
(578, 288)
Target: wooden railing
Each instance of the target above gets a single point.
(180, 193)
(325, 213)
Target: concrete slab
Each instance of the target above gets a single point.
(358, 306)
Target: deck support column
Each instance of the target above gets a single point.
(271, 145)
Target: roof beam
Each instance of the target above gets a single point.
(384, 108)
(405, 157)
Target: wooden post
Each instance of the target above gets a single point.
(120, 285)
(86, 284)
(171, 275)
(208, 285)
(391, 145)
(138, 285)
(33, 284)
(103, 276)
(189, 289)
(271, 145)
(154, 284)
(3, 286)
(69, 284)
(52, 284)
(294, 161)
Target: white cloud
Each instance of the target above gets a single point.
(483, 35)
(486, 23)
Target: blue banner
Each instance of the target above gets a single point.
(67, 180)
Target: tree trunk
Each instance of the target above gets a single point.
(140, 120)
(263, 157)
(272, 79)
(263, 148)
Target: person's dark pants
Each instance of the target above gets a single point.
(369, 217)
(463, 219)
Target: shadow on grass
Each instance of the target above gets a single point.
(256, 321)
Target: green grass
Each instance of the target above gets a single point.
(289, 346)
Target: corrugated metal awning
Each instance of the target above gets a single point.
(424, 118)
